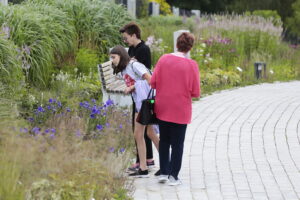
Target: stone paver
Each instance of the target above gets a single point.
(241, 144)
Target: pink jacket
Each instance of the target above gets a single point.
(176, 81)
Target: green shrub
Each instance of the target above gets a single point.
(294, 21)
(86, 61)
(218, 78)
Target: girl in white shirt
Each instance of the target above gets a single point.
(137, 79)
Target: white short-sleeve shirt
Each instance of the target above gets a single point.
(135, 71)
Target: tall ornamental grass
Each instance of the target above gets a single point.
(97, 23)
(41, 33)
(10, 68)
(47, 32)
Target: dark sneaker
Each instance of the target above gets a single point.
(140, 174)
(150, 164)
(157, 173)
(134, 167)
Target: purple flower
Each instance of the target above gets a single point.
(47, 130)
(99, 127)
(107, 125)
(53, 130)
(59, 103)
(122, 150)
(23, 130)
(78, 134)
(121, 126)
(81, 104)
(86, 104)
(52, 135)
(35, 130)
(111, 149)
(50, 100)
(93, 116)
(68, 109)
(30, 119)
(49, 107)
(109, 102)
(40, 109)
(95, 110)
(93, 100)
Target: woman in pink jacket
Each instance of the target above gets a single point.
(176, 80)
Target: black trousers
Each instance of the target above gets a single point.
(149, 150)
(171, 135)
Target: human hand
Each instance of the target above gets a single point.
(128, 90)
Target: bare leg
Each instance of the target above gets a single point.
(140, 141)
(153, 136)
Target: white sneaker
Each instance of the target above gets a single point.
(173, 181)
(162, 178)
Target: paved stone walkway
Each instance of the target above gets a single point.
(242, 144)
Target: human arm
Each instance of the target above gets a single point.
(147, 77)
(155, 72)
(195, 91)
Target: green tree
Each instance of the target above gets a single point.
(293, 22)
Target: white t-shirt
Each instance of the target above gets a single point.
(133, 74)
(135, 70)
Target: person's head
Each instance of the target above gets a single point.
(131, 34)
(119, 58)
(185, 42)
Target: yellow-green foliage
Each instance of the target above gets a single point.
(164, 7)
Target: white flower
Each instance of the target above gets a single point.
(210, 59)
(205, 61)
(203, 45)
(240, 69)
(271, 71)
(32, 98)
(207, 55)
(201, 50)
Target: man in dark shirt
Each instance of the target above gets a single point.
(138, 50)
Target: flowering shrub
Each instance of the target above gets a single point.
(75, 152)
(218, 77)
(157, 47)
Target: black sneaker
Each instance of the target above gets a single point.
(157, 173)
(140, 174)
(134, 167)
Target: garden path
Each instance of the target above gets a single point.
(242, 144)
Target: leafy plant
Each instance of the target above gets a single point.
(86, 61)
(10, 68)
